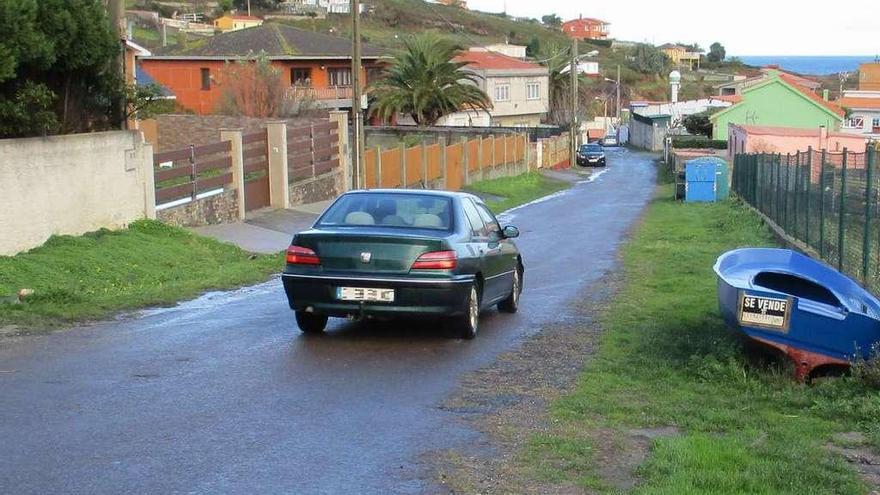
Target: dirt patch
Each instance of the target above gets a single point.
(852, 446)
(508, 403)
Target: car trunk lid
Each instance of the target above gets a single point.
(386, 251)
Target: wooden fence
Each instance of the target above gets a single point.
(312, 150)
(188, 172)
(450, 166)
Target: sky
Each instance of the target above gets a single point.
(746, 27)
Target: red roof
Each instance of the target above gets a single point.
(728, 98)
(793, 80)
(855, 102)
(585, 20)
(492, 60)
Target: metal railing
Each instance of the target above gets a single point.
(828, 200)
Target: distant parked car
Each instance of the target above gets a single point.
(591, 155)
(403, 253)
(609, 140)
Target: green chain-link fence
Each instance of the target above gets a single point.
(828, 200)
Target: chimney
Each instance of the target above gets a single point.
(823, 137)
(825, 94)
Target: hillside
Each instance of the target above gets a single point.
(387, 22)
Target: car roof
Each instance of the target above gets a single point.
(420, 192)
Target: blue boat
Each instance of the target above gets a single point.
(815, 315)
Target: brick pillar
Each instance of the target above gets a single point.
(465, 160)
(279, 186)
(234, 137)
(443, 171)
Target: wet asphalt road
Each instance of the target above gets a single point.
(224, 395)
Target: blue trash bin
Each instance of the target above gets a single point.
(700, 182)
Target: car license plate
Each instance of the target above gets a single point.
(765, 312)
(364, 294)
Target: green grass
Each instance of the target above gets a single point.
(516, 190)
(99, 273)
(666, 359)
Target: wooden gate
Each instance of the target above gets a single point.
(255, 153)
(312, 150)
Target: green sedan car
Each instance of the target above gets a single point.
(403, 253)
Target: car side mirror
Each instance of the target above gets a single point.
(510, 232)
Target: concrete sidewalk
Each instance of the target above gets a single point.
(265, 231)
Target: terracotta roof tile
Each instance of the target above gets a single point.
(793, 81)
(492, 60)
(855, 102)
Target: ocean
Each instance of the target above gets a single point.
(809, 65)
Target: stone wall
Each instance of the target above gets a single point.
(219, 208)
(321, 188)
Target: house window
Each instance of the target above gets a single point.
(374, 74)
(533, 91)
(206, 79)
(340, 76)
(502, 92)
(301, 77)
(855, 122)
(876, 123)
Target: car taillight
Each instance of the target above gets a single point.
(436, 260)
(298, 255)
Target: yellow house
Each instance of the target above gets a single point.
(680, 55)
(235, 22)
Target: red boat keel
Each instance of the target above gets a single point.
(804, 361)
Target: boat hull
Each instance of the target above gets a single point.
(827, 330)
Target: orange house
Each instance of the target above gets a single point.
(869, 76)
(586, 28)
(315, 65)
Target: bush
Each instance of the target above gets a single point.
(698, 142)
(867, 371)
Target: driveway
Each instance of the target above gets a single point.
(222, 394)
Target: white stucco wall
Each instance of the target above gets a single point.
(72, 185)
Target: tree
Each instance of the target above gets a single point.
(698, 124)
(551, 20)
(648, 59)
(425, 83)
(716, 52)
(558, 62)
(253, 88)
(57, 67)
(225, 5)
(533, 48)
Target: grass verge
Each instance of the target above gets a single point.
(516, 190)
(740, 424)
(96, 274)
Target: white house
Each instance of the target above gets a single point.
(678, 110)
(864, 113)
(518, 89)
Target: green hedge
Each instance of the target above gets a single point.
(698, 142)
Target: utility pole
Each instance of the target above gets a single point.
(116, 15)
(249, 8)
(358, 148)
(574, 102)
(618, 104)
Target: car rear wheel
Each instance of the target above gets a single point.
(511, 304)
(311, 323)
(469, 322)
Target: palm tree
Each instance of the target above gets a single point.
(425, 83)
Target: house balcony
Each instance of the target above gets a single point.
(328, 97)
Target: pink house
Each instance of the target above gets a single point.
(785, 140)
(768, 139)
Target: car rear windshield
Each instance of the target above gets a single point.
(418, 211)
(591, 148)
